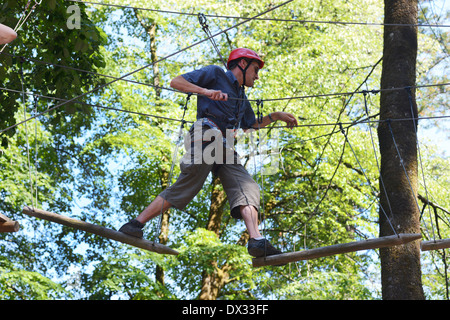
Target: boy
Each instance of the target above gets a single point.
(221, 106)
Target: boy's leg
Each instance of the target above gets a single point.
(250, 217)
(244, 196)
(194, 172)
(134, 226)
(257, 246)
(157, 207)
(178, 195)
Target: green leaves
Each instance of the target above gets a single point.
(16, 284)
(105, 166)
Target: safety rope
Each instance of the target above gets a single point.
(402, 163)
(262, 218)
(174, 158)
(334, 94)
(366, 109)
(365, 175)
(299, 21)
(203, 22)
(411, 104)
(22, 81)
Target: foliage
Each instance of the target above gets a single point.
(20, 284)
(53, 43)
(328, 286)
(104, 166)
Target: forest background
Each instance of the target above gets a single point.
(104, 158)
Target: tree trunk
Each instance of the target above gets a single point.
(400, 265)
(151, 29)
(213, 282)
(164, 225)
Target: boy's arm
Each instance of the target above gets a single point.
(183, 85)
(290, 120)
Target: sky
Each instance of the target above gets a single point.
(439, 135)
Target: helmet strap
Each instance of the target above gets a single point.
(244, 70)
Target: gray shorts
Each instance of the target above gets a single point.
(239, 186)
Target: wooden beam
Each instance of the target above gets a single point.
(4, 218)
(98, 230)
(8, 225)
(382, 242)
(435, 244)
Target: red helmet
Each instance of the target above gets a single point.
(244, 53)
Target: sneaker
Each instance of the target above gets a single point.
(261, 248)
(133, 228)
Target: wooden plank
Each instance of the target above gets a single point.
(4, 218)
(98, 230)
(382, 242)
(435, 244)
(9, 226)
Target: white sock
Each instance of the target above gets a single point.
(259, 238)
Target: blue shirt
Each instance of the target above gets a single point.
(230, 114)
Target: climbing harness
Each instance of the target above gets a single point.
(22, 82)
